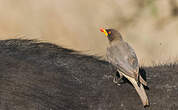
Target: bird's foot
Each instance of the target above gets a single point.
(117, 81)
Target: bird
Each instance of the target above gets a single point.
(121, 55)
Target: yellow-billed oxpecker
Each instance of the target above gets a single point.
(123, 57)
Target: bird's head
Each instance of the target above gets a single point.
(111, 34)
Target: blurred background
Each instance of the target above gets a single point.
(150, 26)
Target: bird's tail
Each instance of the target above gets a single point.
(142, 81)
(140, 90)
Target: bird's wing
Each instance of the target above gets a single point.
(124, 58)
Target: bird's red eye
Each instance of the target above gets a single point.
(109, 32)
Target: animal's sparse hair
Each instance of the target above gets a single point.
(37, 75)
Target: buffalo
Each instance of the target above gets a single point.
(38, 75)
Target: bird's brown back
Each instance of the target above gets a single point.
(121, 55)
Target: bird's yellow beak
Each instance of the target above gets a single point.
(104, 30)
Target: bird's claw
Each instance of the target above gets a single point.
(117, 81)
